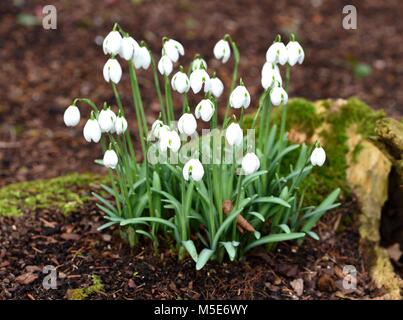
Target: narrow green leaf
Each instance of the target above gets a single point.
(190, 247)
(204, 256)
(274, 238)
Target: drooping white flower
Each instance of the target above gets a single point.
(250, 163)
(71, 116)
(180, 82)
(193, 169)
(295, 53)
(155, 128)
(120, 124)
(110, 159)
(277, 53)
(204, 110)
(278, 96)
(170, 139)
(142, 58)
(112, 43)
(216, 87)
(198, 78)
(165, 66)
(318, 156)
(187, 124)
(222, 50)
(270, 75)
(199, 63)
(128, 48)
(112, 71)
(173, 49)
(92, 131)
(106, 120)
(240, 97)
(234, 134)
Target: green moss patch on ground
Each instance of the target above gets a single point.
(84, 293)
(65, 193)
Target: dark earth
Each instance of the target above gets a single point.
(43, 70)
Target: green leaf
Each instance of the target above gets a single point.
(274, 238)
(105, 202)
(107, 225)
(285, 228)
(230, 218)
(313, 235)
(274, 200)
(230, 249)
(204, 256)
(253, 177)
(190, 247)
(257, 215)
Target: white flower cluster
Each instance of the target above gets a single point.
(279, 54)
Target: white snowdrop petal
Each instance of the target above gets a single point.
(110, 159)
(120, 125)
(112, 43)
(216, 87)
(193, 169)
(71, 116)
(222, 51)
(250, 163)
(234, 134)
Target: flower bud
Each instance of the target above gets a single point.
(205, 110)
(187, 124)
(71, 116)
(278, 96)
(129, 48)
(180, 82)
(92, 131)
(193, 169)
(216, 87)
(234, 134)
(112, 71)
(318, 157)
(173, 49)
(110, 159)
(112, 43)
(222, 50)
(165, 66)
(250, 163)
(277, 53)
(240, 97)
(106, 120)
(142, 58)
(120, 125)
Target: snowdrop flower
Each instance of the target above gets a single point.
(216, 87)
(180, 82)
(234, 134)
(173, 49)
(222, 50)
(277, 53)
(240, 97)
(198, 78)
(120, 124)
(171, 140)
(92, 131)
(205, 110)
(250, 163)
(270, 75)
(110, 159)
(112, 43)
(112, 71)
(193, 169)
(295, 52)
(278, 96)
(155, 129)
(106, 120)
(128, 48)
(71, 116)
(142, 58)
(199, 63)
(318, 157)
(187, 124)
(165, 66)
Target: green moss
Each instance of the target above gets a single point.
(62, 193)
(84, 293)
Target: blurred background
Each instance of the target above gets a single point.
(41, 71)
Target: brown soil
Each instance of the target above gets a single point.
(78, 251)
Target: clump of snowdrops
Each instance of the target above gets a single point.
(222, 192)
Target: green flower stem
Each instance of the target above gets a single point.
(168, 99)
(284, 113)
(88, 102)
(158, 89)
(185, 102)
(137, 108)
(235, 71)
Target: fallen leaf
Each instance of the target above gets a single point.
(298, 286)
(26, 278)
(70, 236)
